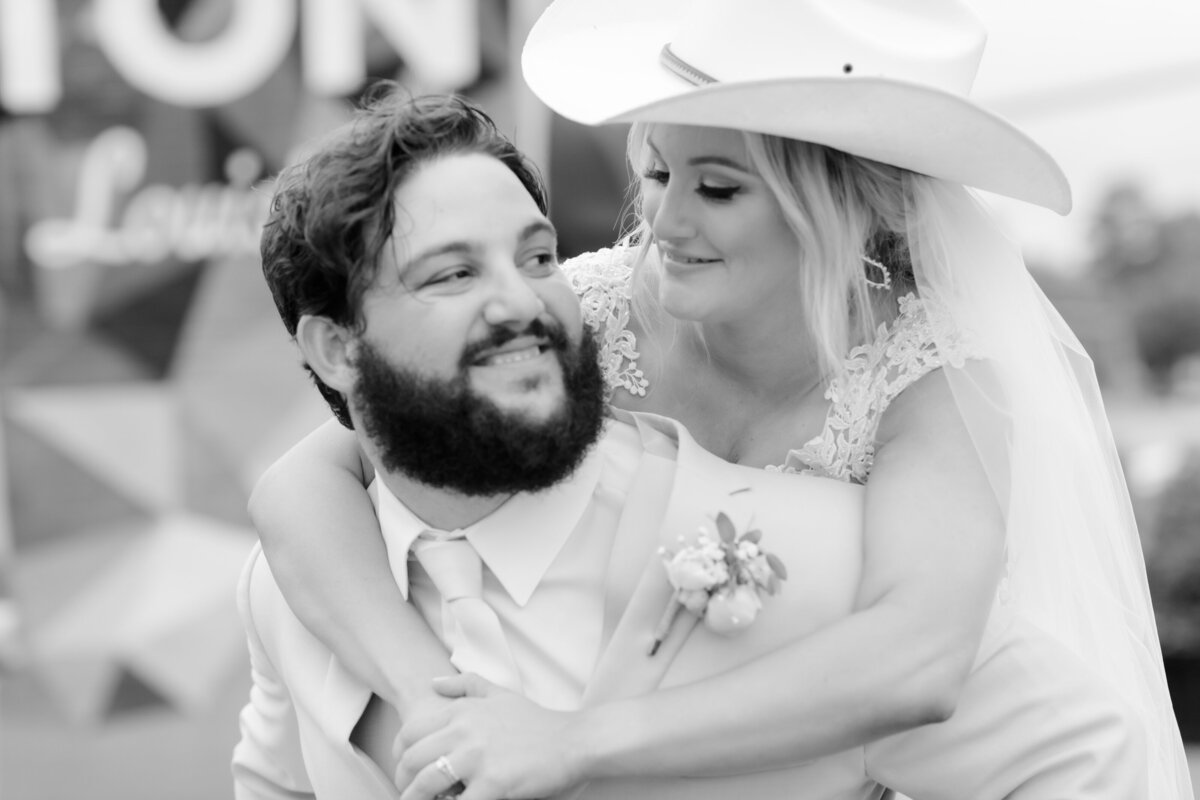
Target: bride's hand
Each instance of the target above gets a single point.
(499, 744)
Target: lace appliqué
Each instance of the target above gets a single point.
(603, 281)
(875, 373)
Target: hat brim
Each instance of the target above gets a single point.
(598, 63)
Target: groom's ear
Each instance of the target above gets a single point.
(328, 349)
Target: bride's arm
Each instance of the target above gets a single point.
(932, 561)
(933, 556)
(322, 540)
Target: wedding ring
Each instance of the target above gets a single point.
(443, 766)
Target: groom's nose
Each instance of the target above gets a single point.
(514, 301)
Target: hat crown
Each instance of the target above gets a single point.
(936, 43)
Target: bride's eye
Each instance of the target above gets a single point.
(659, 176)
(710, 192)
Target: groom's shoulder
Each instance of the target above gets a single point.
(265, 613)
(255, 590)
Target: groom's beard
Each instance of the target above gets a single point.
(444, 434)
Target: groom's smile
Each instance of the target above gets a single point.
(512, 368)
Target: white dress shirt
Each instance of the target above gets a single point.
(545, 559)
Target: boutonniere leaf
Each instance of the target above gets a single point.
(719, 578)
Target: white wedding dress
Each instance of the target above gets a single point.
(926, 336)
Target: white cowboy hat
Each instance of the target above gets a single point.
(882, 79)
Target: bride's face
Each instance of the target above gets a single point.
(727, 253)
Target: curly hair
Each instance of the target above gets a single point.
(332, 214)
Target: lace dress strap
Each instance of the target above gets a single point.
(875, 373)
(603, 280)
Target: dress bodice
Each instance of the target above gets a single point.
(920, 339)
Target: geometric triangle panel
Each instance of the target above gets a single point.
(76, 500)
(238, 400)
(188, 664)
(148, 325)
(25, 696)
(66, 357)
(230, 304)
(165, 610)
(119, 285)
(237, 371)
(127, 434)
(133, 694)
(47, 579)
(183, 570)
(212, 484)
(20, 325)
(81, 686)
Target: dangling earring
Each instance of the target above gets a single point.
(885, 281)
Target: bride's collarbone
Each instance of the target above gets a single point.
(739, 423)
(761, 441)
(738, 427)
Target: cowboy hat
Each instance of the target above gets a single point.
(882, 79)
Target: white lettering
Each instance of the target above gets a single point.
(136, 39)
(30, 82)
(332, 42)
(190, 222)
(438, 39)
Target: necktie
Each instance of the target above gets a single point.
(473, 631)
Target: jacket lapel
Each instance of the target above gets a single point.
(634, 541)
(625, 667)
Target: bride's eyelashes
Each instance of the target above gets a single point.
(706, 190)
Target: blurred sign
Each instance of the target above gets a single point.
(118, 221)
(438, 40)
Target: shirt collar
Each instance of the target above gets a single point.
(518, 541)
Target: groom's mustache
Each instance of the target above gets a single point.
(498, 336)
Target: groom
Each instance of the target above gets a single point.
(435, 321)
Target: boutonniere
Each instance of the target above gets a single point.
(720, 579)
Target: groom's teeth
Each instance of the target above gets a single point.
(514, 357)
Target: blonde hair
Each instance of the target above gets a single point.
(840, 208)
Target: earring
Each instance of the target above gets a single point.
(885, 281)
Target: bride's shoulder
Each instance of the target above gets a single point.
(603, 280)
(606, 269)
(922, 337)
(913, 355)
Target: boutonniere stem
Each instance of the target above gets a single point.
(664, 624)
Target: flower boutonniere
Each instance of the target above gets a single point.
(719, 578)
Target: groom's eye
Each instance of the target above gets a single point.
(450, 276)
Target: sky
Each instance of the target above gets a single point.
(1112, 89)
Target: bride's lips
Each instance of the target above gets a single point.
(683, 259)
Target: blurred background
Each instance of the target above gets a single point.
(146, 381)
